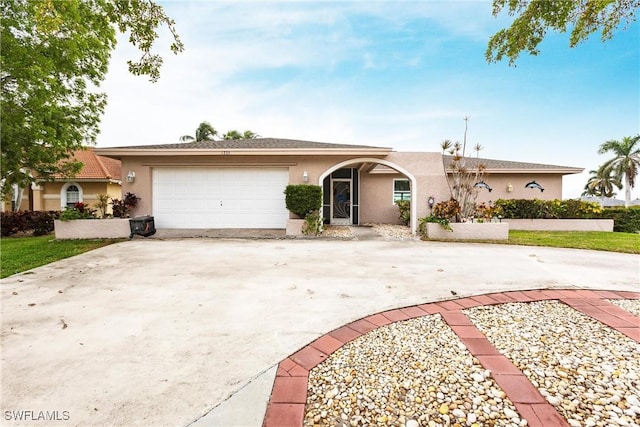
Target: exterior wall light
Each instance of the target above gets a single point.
(431, 201)
(131, 176)
(509, 188)
(305, 176)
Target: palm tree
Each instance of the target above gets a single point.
(249, 135)
(204, 132)
(234, 134)
(601, 184)
(625, 163)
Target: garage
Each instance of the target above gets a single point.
(199, 197)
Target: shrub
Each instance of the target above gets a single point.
(303, 198)
(78, 211)
(43, 222)
(313, 224)
(535, 208)
(404, 206)
(625, 220)
(487, 212)
(122, 208)
(448, 210)
(38, 223)
(422, 224)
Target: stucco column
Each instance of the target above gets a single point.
(38, 201)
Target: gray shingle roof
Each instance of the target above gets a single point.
(506, 164)
(258, 143)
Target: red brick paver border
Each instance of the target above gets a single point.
(287, 403)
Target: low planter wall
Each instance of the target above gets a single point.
(115, 228)
(560, 224)
(469, 231)
(294, 227)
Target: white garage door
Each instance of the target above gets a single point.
(220, 197)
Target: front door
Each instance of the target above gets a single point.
(341, 202)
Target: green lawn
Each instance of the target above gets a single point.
(596, 240)
(18, 254)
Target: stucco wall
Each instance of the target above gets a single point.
(560, 224)
(469, 231)
(376, 190)
(376, 199)
(143, 168)
(552, 184)
(50, 194)
(428, 170)
(114, 228)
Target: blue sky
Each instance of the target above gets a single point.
(387, 73)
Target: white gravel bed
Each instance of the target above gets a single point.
(631, 305)
(333, 231)
(588, 371)
(413, 373)
(393, 231)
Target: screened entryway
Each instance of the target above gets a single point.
(365, 191)
(340, 197)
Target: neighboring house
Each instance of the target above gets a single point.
(240, 183)
(99, 175)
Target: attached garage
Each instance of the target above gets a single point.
(219, 197)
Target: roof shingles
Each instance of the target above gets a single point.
(258, 143)
(472, 162)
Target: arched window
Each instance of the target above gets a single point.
(70, 194)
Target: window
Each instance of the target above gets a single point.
(73, 195)
(401, 190)
(70, 194)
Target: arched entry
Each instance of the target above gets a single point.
(400, 169)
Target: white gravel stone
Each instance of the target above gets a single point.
(407, 371)
(333, 231)
(584, 368)
(393, 231)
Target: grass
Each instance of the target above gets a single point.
(18, 254)
(595, 240)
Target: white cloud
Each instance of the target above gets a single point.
(399, 74)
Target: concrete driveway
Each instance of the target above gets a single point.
(159, 332)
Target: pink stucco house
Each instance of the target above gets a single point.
(240, 183)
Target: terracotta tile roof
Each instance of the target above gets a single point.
(258, 143)
(493, 164)
(95, 167)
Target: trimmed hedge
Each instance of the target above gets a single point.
(36, 222)
(625, 220)
(547, 209)
(303, 198)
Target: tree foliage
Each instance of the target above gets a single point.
(54, 55)
(204, 132)
(625, 163)
(303, 198)
(234, 134)
(534, 18)
(602, 183)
